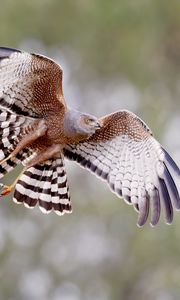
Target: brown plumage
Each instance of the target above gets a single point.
(37, 129)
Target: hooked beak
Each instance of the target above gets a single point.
(98, 125)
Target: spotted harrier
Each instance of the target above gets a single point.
(38, 130)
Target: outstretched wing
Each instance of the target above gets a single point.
(30, 84)
(125, 154)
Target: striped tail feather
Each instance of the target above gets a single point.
(46, 185)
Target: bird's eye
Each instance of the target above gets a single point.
(89, 121)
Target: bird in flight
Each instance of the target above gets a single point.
(38, 130)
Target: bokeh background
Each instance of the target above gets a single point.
(115, 54)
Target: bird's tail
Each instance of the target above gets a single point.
(46, 185)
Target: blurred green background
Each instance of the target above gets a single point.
(115, 54)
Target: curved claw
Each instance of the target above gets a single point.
(6, 190)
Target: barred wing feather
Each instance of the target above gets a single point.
(138, 170)
(28, 81)
(12, 128)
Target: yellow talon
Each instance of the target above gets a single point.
(6, 190)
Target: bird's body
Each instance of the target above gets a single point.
(38, 129)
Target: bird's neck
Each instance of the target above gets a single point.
(72, 130)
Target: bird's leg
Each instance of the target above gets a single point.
(49, 152)
(7, 189)
(42, 156)
(39, 130)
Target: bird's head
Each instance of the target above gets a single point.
(77, 124)
(89, 124)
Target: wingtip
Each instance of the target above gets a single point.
(168, 223)
(172, 188)
(166, 200)
(5, 52)
(171, 162)
(140, 225)
(153, 223)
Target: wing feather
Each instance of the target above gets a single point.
(125, 154)
(30, 84)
